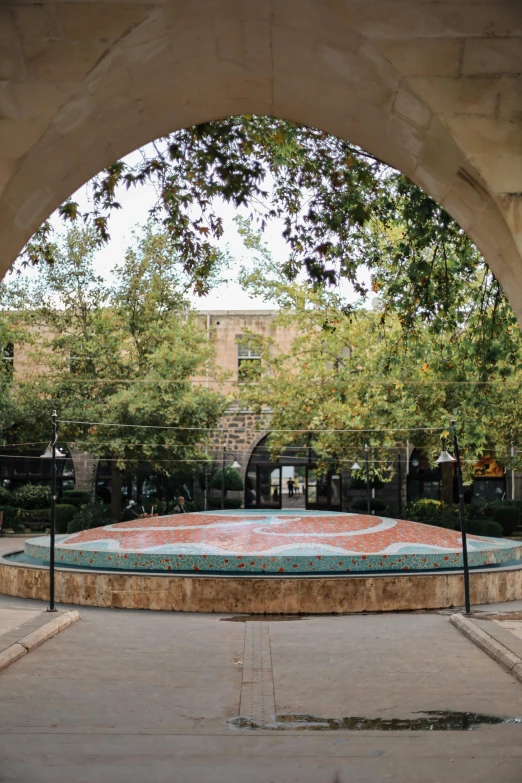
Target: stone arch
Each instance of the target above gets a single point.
(431, 88)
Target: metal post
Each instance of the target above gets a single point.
(462, 518)
(368, 492)
(223, 480)
(399, 477)
(53, 512)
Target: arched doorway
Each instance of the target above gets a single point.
(290, 481)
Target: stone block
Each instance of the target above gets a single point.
(423, 56)
(30, 21)
(447, 95)
(64, 60)
(18, 136)
(94, 21)
(411, 108)
(481, 135)
(492, 57)
(12, 65)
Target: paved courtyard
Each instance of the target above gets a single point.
(128, 696)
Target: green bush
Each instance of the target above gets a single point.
(31, 497)
(361, 504)
(229, 503)
(378, 505)
(89, 516)
(76, 497)
(190, 506)
(64, 514)
(12, 519)
(433, 512)
(233, 480)
(484, 527)
(508, 517)
(5, 496)
(359, 482)
(74, 526)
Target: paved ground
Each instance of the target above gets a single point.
(127, 697)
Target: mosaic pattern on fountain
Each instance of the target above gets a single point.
(271, 543)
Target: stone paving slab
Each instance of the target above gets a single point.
(18, 630)
(128, 696)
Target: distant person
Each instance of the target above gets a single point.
(275, 495)
(179, 508)
(290, 485)
(132, 511)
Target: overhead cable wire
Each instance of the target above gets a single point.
(222, 429)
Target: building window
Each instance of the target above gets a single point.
(248, 359)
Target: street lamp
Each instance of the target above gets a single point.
(234, 465)
(53, 453)
(445, 457)
(368, 493)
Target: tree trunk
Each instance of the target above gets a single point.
(446, 483)
(115, 493)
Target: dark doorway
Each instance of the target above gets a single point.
(290, 481)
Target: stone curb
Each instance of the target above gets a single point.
(511, 662)
(36, 638)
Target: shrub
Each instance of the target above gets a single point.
(361, 504)
(190, 506)
(233, 480)
(74, 526)
(359, 482)
(64, 514)
(76, 497)
(12, 519)
(484, 527)
(508, 517)
(31, 497)
(5, 497)
(433, 512)
(378, 505)
(89, 516)
(229, 503)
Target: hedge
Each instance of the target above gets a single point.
(64, 513)
(76, 497)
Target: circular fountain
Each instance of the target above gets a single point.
(273, 561)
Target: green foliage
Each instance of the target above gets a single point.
(12, 519)
(233, 480)
(433, 512)
(31, 496)
(191, 506)
(89, 516)
(508, 517)
(484, 527)
(229, 503)
(76, 497)
(341, 209)
(5, 496)
(64, 513)
(119, 354)
(361, 504)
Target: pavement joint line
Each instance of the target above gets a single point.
(257, 700)
(34, 639)
(495, 649)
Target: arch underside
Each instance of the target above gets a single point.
(432, 88)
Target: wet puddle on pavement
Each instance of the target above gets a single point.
(260, 618)
(430, 721)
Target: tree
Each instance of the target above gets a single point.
(334, 201)
(353, 372)
(117, 356)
